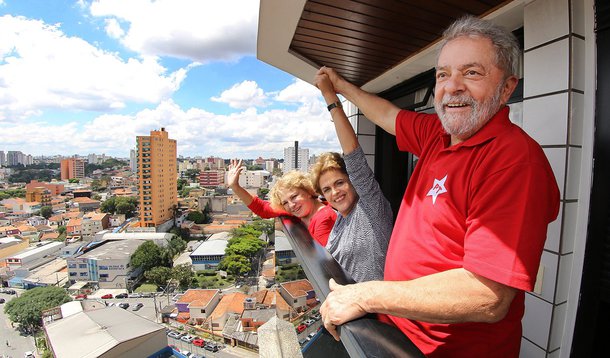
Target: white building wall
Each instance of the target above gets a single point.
(558, 115)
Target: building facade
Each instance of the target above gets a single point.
(72, 168)
(157, 178)
(211, 178)
(296, 158)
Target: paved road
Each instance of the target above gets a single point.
(17, 343)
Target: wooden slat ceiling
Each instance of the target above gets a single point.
(363, 39)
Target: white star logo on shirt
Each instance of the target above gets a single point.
(437, 189)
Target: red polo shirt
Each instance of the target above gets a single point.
(482, 205)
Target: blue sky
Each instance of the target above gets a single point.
(80, 77)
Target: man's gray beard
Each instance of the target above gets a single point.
(480, 113)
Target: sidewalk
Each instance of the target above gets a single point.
(240, 352)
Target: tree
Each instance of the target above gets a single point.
(120, 205)
(181, 183)
(245, 246)
(263, 225)
(183, 274)
(175, 246)
(27, 309)
(149, 255)
(46, 212)
(74, 181)
(192, 174)
(262, 192)
(61, 229)
(235, 264)
(196, 216)
(159, 275)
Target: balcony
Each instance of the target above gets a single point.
(363, 337)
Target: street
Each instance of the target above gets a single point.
(13, 344)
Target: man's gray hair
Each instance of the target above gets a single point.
(505, 43)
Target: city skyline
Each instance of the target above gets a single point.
(89, 76)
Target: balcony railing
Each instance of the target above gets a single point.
(363, 337)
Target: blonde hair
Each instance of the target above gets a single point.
(327, 161)
(291, 180)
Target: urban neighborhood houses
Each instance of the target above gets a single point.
(81, 228)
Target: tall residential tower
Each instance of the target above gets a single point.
(157, 177)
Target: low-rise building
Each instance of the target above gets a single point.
(107, 264)
(198, 304)
(209, 254)
(25, 257)
(297, 294)
(231, 303)
(104, 332)
(94, 222)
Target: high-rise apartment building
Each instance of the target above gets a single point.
(157, 177)
(133, 160)
(14, 157)
(2, 158)
(296, 158)
(72, 168)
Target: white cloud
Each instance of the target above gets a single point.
(113, 28)
(42, 68)
(243, 95)
(298, 92)
(193, 29)
(246, 134)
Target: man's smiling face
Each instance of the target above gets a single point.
(470, 88)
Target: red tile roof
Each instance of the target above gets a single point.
(198, 297)
(232, 303)
(297, 288)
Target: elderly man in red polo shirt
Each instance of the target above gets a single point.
(468, 238)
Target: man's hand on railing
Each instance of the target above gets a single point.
(343, 304)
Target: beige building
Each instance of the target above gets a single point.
(72, 168)
(157, 178)
(93, 223)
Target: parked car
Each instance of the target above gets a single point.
(135, 295)
(316, 317)
(9, 291)
(311, 335)
(124, 305)
(301, 328)
(309, 322)
(147, 295)
(187, 354)
(187, 338)
(211, 346)
(29, 354)
(121, 295)
(81, 296)
(106, 296)
(137, 306)
(199, 342)
(302, 341)
(197, 356)
(174, 334)
(2, 300)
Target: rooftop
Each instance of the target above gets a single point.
(98, 331)
(114, 250)
(198, 297)
(297, 288)
(208, 248)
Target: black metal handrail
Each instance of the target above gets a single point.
(363, 337)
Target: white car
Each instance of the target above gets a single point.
(29, 355)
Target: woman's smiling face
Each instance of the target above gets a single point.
(338, 191)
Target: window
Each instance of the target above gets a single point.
(82, 266)
(84, 274)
